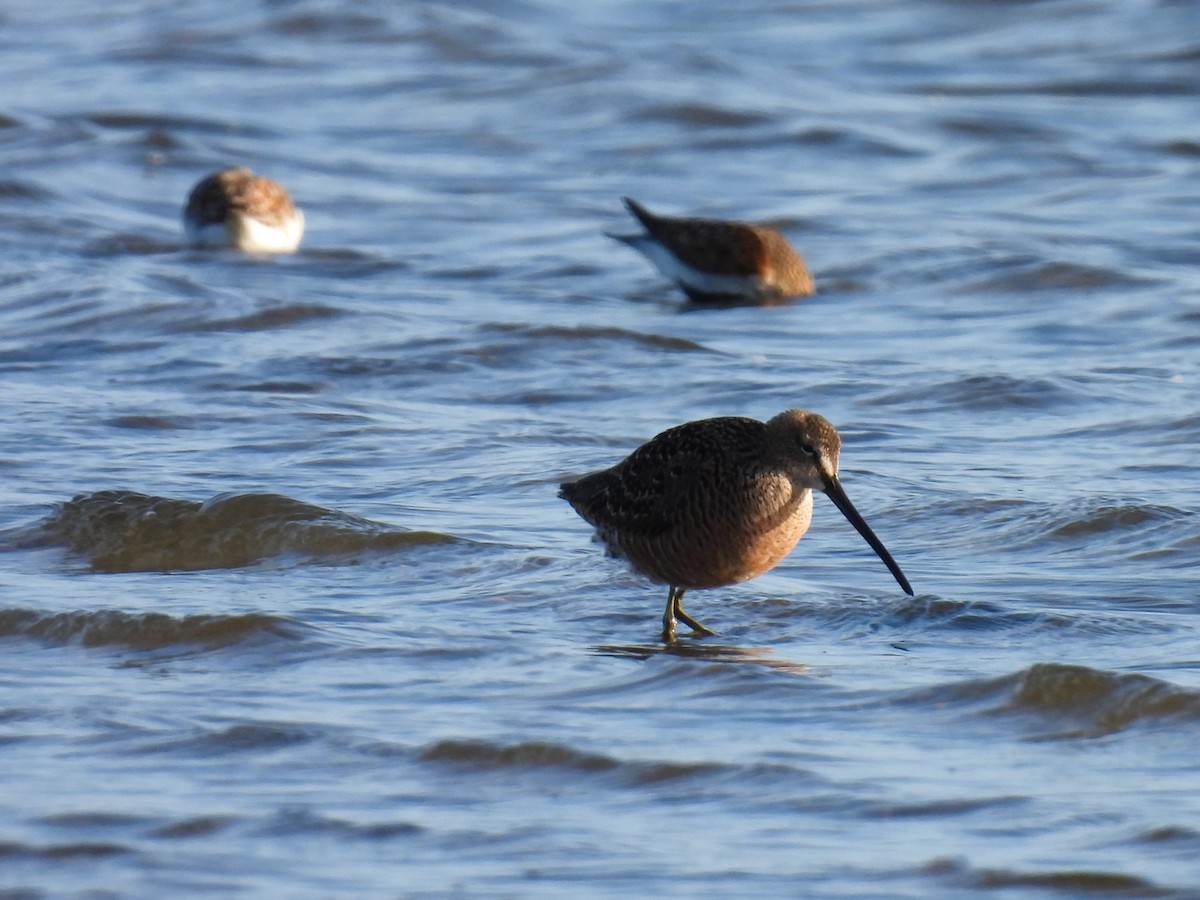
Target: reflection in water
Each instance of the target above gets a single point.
(704, 651)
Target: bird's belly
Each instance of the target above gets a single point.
(715, 553)
(729, 285)
(255, 236)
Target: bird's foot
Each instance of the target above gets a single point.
(693, 624)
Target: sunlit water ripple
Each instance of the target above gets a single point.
(290, 606)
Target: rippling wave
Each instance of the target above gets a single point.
(142, 631)
(275, 317)
(123, 531)
(536, 755)
(58, 853)
(1062, 882)
(1126, 528)
(1057, 275)
(984, 393)
(598, 333)
(1068, 701)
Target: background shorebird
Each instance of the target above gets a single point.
(718, 501)
(236, 208)
(720, 262)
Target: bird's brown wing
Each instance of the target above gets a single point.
(710, 245)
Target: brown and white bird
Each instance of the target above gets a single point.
(720, 262)
(238, 209)
(716, 502)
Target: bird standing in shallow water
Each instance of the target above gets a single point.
(718, 501)
(236, 208)
(720, 262)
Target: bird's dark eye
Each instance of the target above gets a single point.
(809, 450)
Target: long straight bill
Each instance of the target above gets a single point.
(833, 489)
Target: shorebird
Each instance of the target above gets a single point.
(236, 208)
(720, 262)
(718, 501)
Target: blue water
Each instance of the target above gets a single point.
(333, 634)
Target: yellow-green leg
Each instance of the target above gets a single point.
(675, 611)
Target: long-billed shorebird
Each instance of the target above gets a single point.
(716, 502)
(236, 208)
(719, 262)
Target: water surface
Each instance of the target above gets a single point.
(289, 606)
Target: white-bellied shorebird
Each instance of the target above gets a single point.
(719, 262)
(236, 208)
(716, 502)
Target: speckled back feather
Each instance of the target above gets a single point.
(648, 490)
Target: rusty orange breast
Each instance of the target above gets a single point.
(726, 546)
